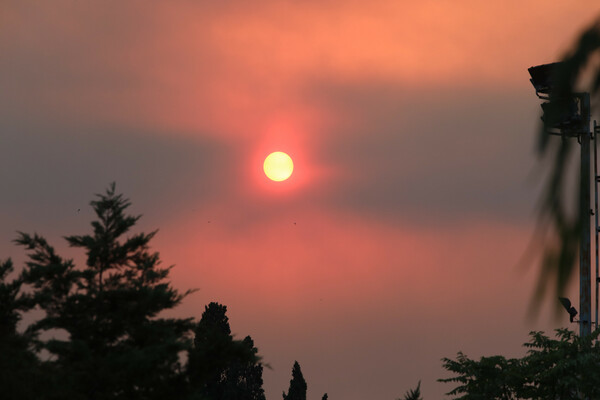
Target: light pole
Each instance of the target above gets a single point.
(569, 116)
(585, 254)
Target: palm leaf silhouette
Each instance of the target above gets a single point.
(560, 213)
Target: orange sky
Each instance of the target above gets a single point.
(411, 125)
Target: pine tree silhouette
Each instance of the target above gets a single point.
(220, 367)
(116, 345)
(297, 390)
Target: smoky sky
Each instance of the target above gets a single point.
(416, 120)
(447, 152)
(405, 155)
(432, 152)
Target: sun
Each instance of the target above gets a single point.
(278, 166)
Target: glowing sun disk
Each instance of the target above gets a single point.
(278, 166)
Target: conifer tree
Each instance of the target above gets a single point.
(244, 375)
(221, 368)
(297, 390)
(414, 394)
(18, 364)
(110, 342)
(102, 329)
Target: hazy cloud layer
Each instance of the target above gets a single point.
(447, 152)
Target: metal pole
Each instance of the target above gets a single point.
(596, 216)
(585, 289)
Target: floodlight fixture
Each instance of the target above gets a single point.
(570, 309)
(561, 113)
(542, 77)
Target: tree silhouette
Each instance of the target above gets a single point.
(244, 376)
(297, 390)
(101, 332)
(18, 364)
(414, 394)
(561, 368)
(220, 367)
(106, 339)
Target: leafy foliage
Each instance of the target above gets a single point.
(560, 250)
(561, 368)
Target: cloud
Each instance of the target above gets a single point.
(48, 172)
(446, 153)
(230, 68)
(394, 113)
